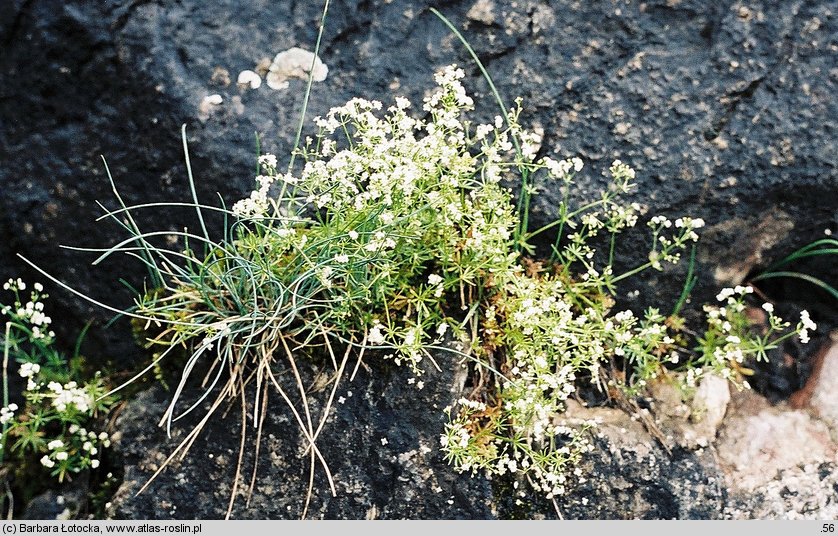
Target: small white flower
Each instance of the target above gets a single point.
(807, 321)
(402, 103)
(47, 462)
(5, 416)
(375, 336)
(268, 160)
(94, 464)
(768, 307)
(28, 370)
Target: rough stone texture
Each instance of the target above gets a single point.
(781, 463)
(759, 440)
(824, 400)
(381, 445)
(725, 109)
(806, 492)
(630, 476)
(766, 462)
(65, 503)
(627, 476)
(691, 424)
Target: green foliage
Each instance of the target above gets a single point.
(51, 425)
(824, 246)
(399, 232)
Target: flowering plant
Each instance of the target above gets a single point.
(398, 233)
(50, 423)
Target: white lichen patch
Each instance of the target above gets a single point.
(482, 11)
(249, 79)
(295, 63)
(208, 105)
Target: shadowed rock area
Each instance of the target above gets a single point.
(726, 110)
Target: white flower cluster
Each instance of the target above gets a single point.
(375, 336)
(806, 325)
(562, 169)
(29, 370)
(53, 410)
(670, 246)
(69, 394)
(392, 219)
(729, 342)
(80, 447)
(7, 413)
(32, 312)
(14, 284)
(394, 195)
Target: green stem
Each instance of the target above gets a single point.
(306, 98)
(5, 389)
(524, 198)
(564, 217)
(689, 284)
(797, 275)
(631, 272)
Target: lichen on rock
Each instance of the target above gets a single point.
(295, 63)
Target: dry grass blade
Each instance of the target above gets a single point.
(239, 462)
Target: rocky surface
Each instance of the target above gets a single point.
(381, 443)
(759, 461)
(779, 462)
(382, 446)
(726, 109)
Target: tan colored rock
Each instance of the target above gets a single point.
(482, 11)
(758, 442)
(824, 398)
(709, 406)
(694, 424)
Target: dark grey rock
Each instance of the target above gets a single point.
(381, 443)
(64, 503)
(725, 109)
(382, 446)
(628, 475)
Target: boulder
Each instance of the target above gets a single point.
(381, 442)
(724, 109)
